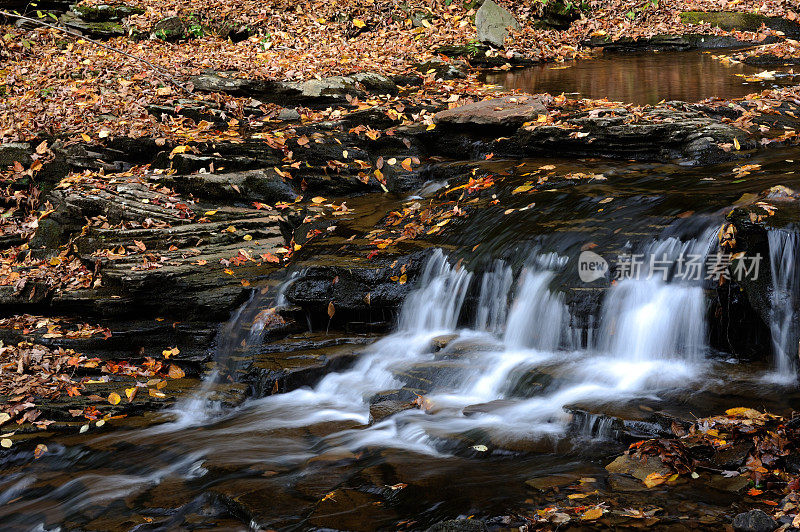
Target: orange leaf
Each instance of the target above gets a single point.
(592, 514)
(175, 372)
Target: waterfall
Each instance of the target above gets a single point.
(437, 304)
(493, 302)
(538, 317)
(244, 330)
(650, 319)
(784, 256)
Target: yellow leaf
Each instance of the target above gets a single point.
(114, 398)
(178, 149)
(736, 144)
(747, 413)
(210, 213)
(248, 238)
(86, 138)
(403, 278)
(130, 393)
(406, 164)
(592, 514)
(430, 127)
(318, 200)
(154, 393)
(172, 351)
(358, 23)
(5, 442)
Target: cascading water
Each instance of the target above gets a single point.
(784, 250)
(493, 302)
(241, 332)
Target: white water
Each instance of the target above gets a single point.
(652, 338)
(784, 250)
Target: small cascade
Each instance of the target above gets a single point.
(651, 320)
(437, 305)
(784, 251)
(493, 302)
(243, 331)
(660, 312)
(538, 318)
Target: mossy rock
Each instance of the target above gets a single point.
(95, 30)
(558, 14)
(170, 29)
(106, 13)
(741, 21)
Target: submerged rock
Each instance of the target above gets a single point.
(754, 521)
(493, 22)
(459, 525)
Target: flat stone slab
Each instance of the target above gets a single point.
(507, 112)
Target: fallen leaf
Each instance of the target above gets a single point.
(592, 514)
(175, 372)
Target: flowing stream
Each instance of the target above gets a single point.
(503, 368)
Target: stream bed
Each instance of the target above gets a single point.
(505, 375)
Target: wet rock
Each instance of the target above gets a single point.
(169, 29)
(440, 342)
(459, 525)
(510, 112)
(442, 69)
(665, 133)
(729, 484)
(383, 409)
(672, 42)
(253, 185)
(493, 22)
(299, 360)
(360, 292)
(288, 115)
(638, 468)
(733, 456)
(742, 21)
(553, 481)
(754, 521)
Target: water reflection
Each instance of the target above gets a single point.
(644, 79)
